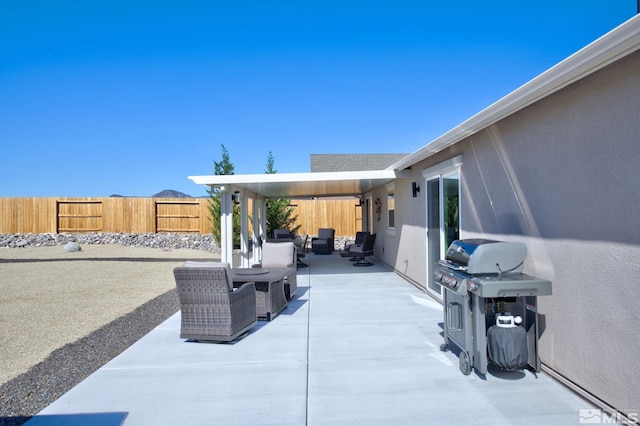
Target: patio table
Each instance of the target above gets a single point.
(270, 297)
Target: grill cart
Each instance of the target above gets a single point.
(490, 306)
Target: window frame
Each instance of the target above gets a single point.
(391, 206)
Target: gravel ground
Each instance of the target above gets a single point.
(64, 315)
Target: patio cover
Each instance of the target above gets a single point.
(305, 185)
(260, 187)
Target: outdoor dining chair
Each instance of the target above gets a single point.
(281, 255)
(302, 250)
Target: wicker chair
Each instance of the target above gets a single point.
(281, 255)
(211, 309)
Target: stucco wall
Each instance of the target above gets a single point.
(563, 177)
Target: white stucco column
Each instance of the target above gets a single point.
(226, 225)
(257, 214)
(263, 219)
(244, 230)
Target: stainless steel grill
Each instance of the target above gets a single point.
(484, 289)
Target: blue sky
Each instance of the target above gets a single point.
(130, 98)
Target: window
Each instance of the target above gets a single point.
(391, 206)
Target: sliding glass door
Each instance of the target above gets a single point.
(433, 233)
(443, 220)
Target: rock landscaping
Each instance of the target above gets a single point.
(160, 240)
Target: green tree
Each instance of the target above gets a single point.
(279, 210)
(224, 167)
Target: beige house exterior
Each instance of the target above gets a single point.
(554, 165)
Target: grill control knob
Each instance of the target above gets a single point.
(471, 286)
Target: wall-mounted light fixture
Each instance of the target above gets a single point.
(236, 197)
(415, 189)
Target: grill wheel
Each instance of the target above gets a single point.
(465, 363)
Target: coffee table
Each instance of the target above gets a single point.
(270, 297)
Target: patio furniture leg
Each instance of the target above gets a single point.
(362, 261)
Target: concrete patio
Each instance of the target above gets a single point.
(356, 346)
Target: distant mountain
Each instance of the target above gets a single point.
(170, 193)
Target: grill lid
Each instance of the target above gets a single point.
(480, 256)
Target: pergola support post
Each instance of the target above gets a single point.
(226, 226)
(257, 235)
(244, 231)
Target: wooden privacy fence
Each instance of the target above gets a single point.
(107, 214)
(150, 215)
(342, 215)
